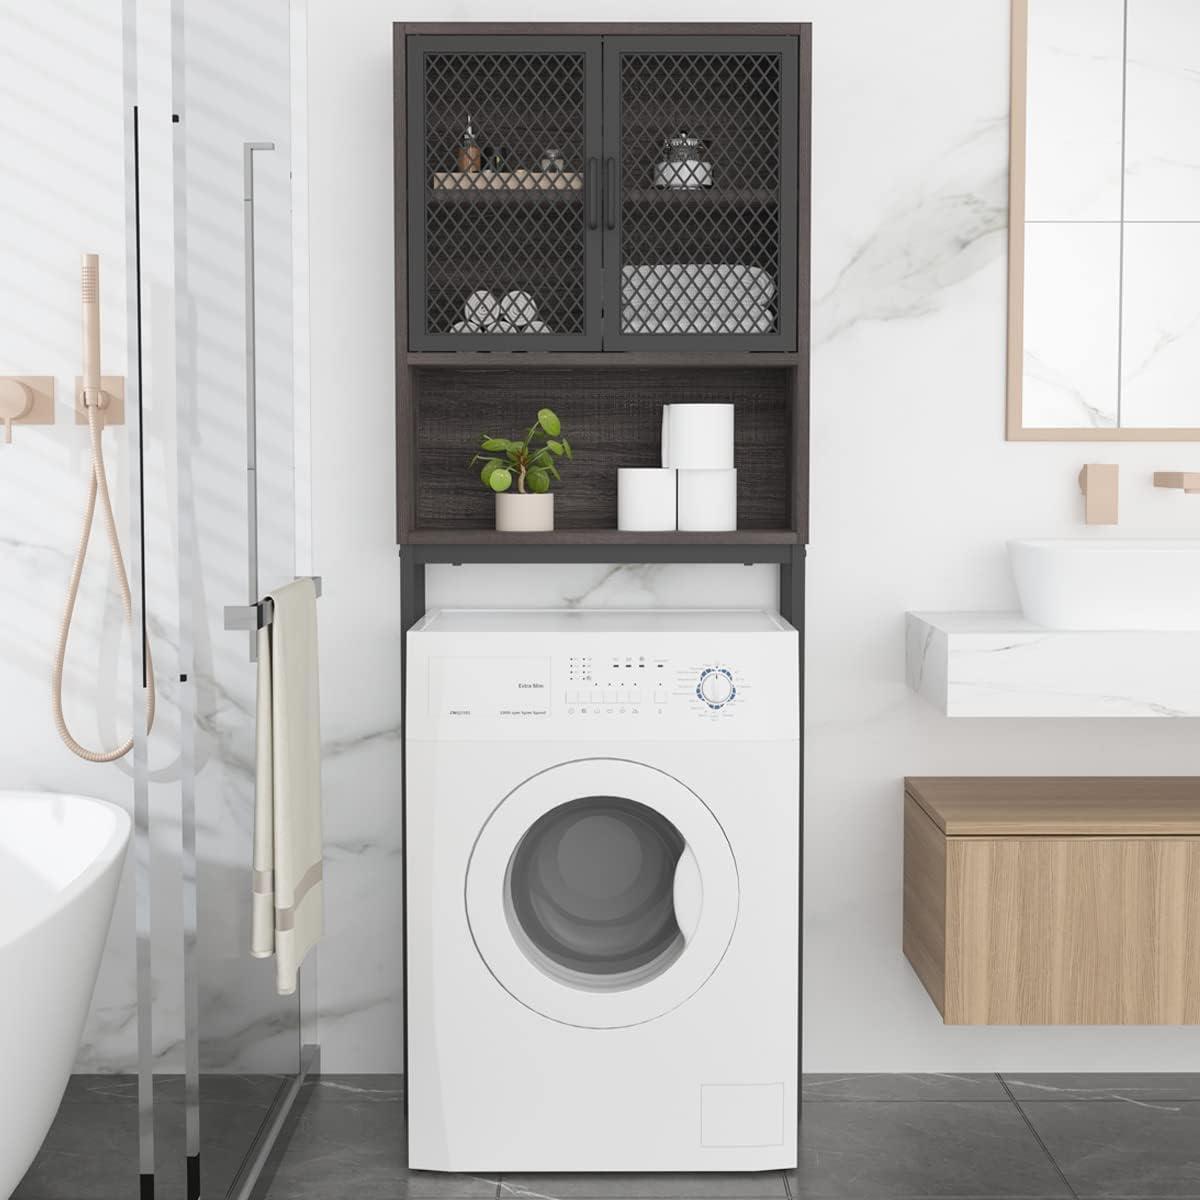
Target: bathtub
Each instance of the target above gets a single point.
(60, 863)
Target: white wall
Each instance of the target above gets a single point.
(914, 491)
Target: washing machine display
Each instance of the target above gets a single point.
(618, 888)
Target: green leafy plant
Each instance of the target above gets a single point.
(525, 462)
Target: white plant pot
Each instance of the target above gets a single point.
(524, 513)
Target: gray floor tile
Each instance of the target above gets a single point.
(817, 1088)
(1162, 1086)
(90, 1152)
(1135, 1149)
(348, 1139)
(732, 1185)
(888, 1150)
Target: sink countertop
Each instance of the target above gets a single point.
(998, 664)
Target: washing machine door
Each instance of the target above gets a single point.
(602, 893)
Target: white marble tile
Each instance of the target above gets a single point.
(1160, 353)
(1072, 316)
(1162, 111)
(1000, 665)
(1073, 123)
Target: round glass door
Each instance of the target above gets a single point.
(602, 893)
(589, 892)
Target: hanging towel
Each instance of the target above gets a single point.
(287, 900)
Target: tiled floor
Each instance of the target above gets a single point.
(862, 1137)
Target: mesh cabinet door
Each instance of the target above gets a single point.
(504, 228)
(700, 192)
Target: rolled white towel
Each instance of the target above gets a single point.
(464, 327)
(518, 308)
(482, 309)
(537, 327)
(503, 327)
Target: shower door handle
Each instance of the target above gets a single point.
(610, 193)
(591, 181)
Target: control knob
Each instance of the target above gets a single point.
(715, 687)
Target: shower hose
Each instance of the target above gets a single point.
(97, 486)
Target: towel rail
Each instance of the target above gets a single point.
(260, 614)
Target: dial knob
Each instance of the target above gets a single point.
(715, 687)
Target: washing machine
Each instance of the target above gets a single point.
(602, 886)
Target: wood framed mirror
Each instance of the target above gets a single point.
(1104, 221)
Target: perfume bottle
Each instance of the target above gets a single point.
(469, 156)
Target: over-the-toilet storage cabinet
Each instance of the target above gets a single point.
(612, 259)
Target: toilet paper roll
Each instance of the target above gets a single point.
(707, 500)
(645, 498)
(698, 437)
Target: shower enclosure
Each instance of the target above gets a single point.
(191, 1061)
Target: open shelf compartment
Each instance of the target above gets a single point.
(613, 418)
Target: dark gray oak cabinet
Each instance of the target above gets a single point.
(644, 285)
(645, 293)
(614, 250)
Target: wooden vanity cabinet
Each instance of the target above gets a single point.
(1055, 901)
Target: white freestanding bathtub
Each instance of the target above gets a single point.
(60, 863)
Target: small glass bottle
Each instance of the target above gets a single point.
(469, 155)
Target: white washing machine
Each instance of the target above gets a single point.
(602, 840)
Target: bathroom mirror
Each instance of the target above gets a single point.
(1104, 221)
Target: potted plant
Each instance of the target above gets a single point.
(530, 466)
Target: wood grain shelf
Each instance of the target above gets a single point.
(594, 537)
(459, 360)
(713, 197)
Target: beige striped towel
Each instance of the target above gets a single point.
(287, 918)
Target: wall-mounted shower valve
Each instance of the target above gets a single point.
(25, 400)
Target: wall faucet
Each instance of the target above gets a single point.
(1099, 484)
(1185, 481)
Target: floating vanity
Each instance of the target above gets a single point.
(1055, 901)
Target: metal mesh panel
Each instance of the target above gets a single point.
(505, 243)
(700, 226)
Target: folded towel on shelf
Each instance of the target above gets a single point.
(696, 298)
(287, 918)
(755, 320)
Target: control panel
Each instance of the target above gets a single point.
(637, 684)
(687, 675)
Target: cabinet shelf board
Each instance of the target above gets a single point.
(591, 537)
(484, 359)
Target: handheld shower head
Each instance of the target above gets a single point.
(90, 296)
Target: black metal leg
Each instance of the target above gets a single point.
(791, 608)
(412, 609)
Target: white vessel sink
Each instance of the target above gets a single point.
(1108, 583)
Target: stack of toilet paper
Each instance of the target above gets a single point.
(696, 487)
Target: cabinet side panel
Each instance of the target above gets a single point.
(1073, 931)
(925, 900)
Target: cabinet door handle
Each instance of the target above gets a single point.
(610, 192)
(592, 202)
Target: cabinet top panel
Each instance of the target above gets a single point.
(609, 28)
(1047, 806)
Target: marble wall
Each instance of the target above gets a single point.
(914, 492)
